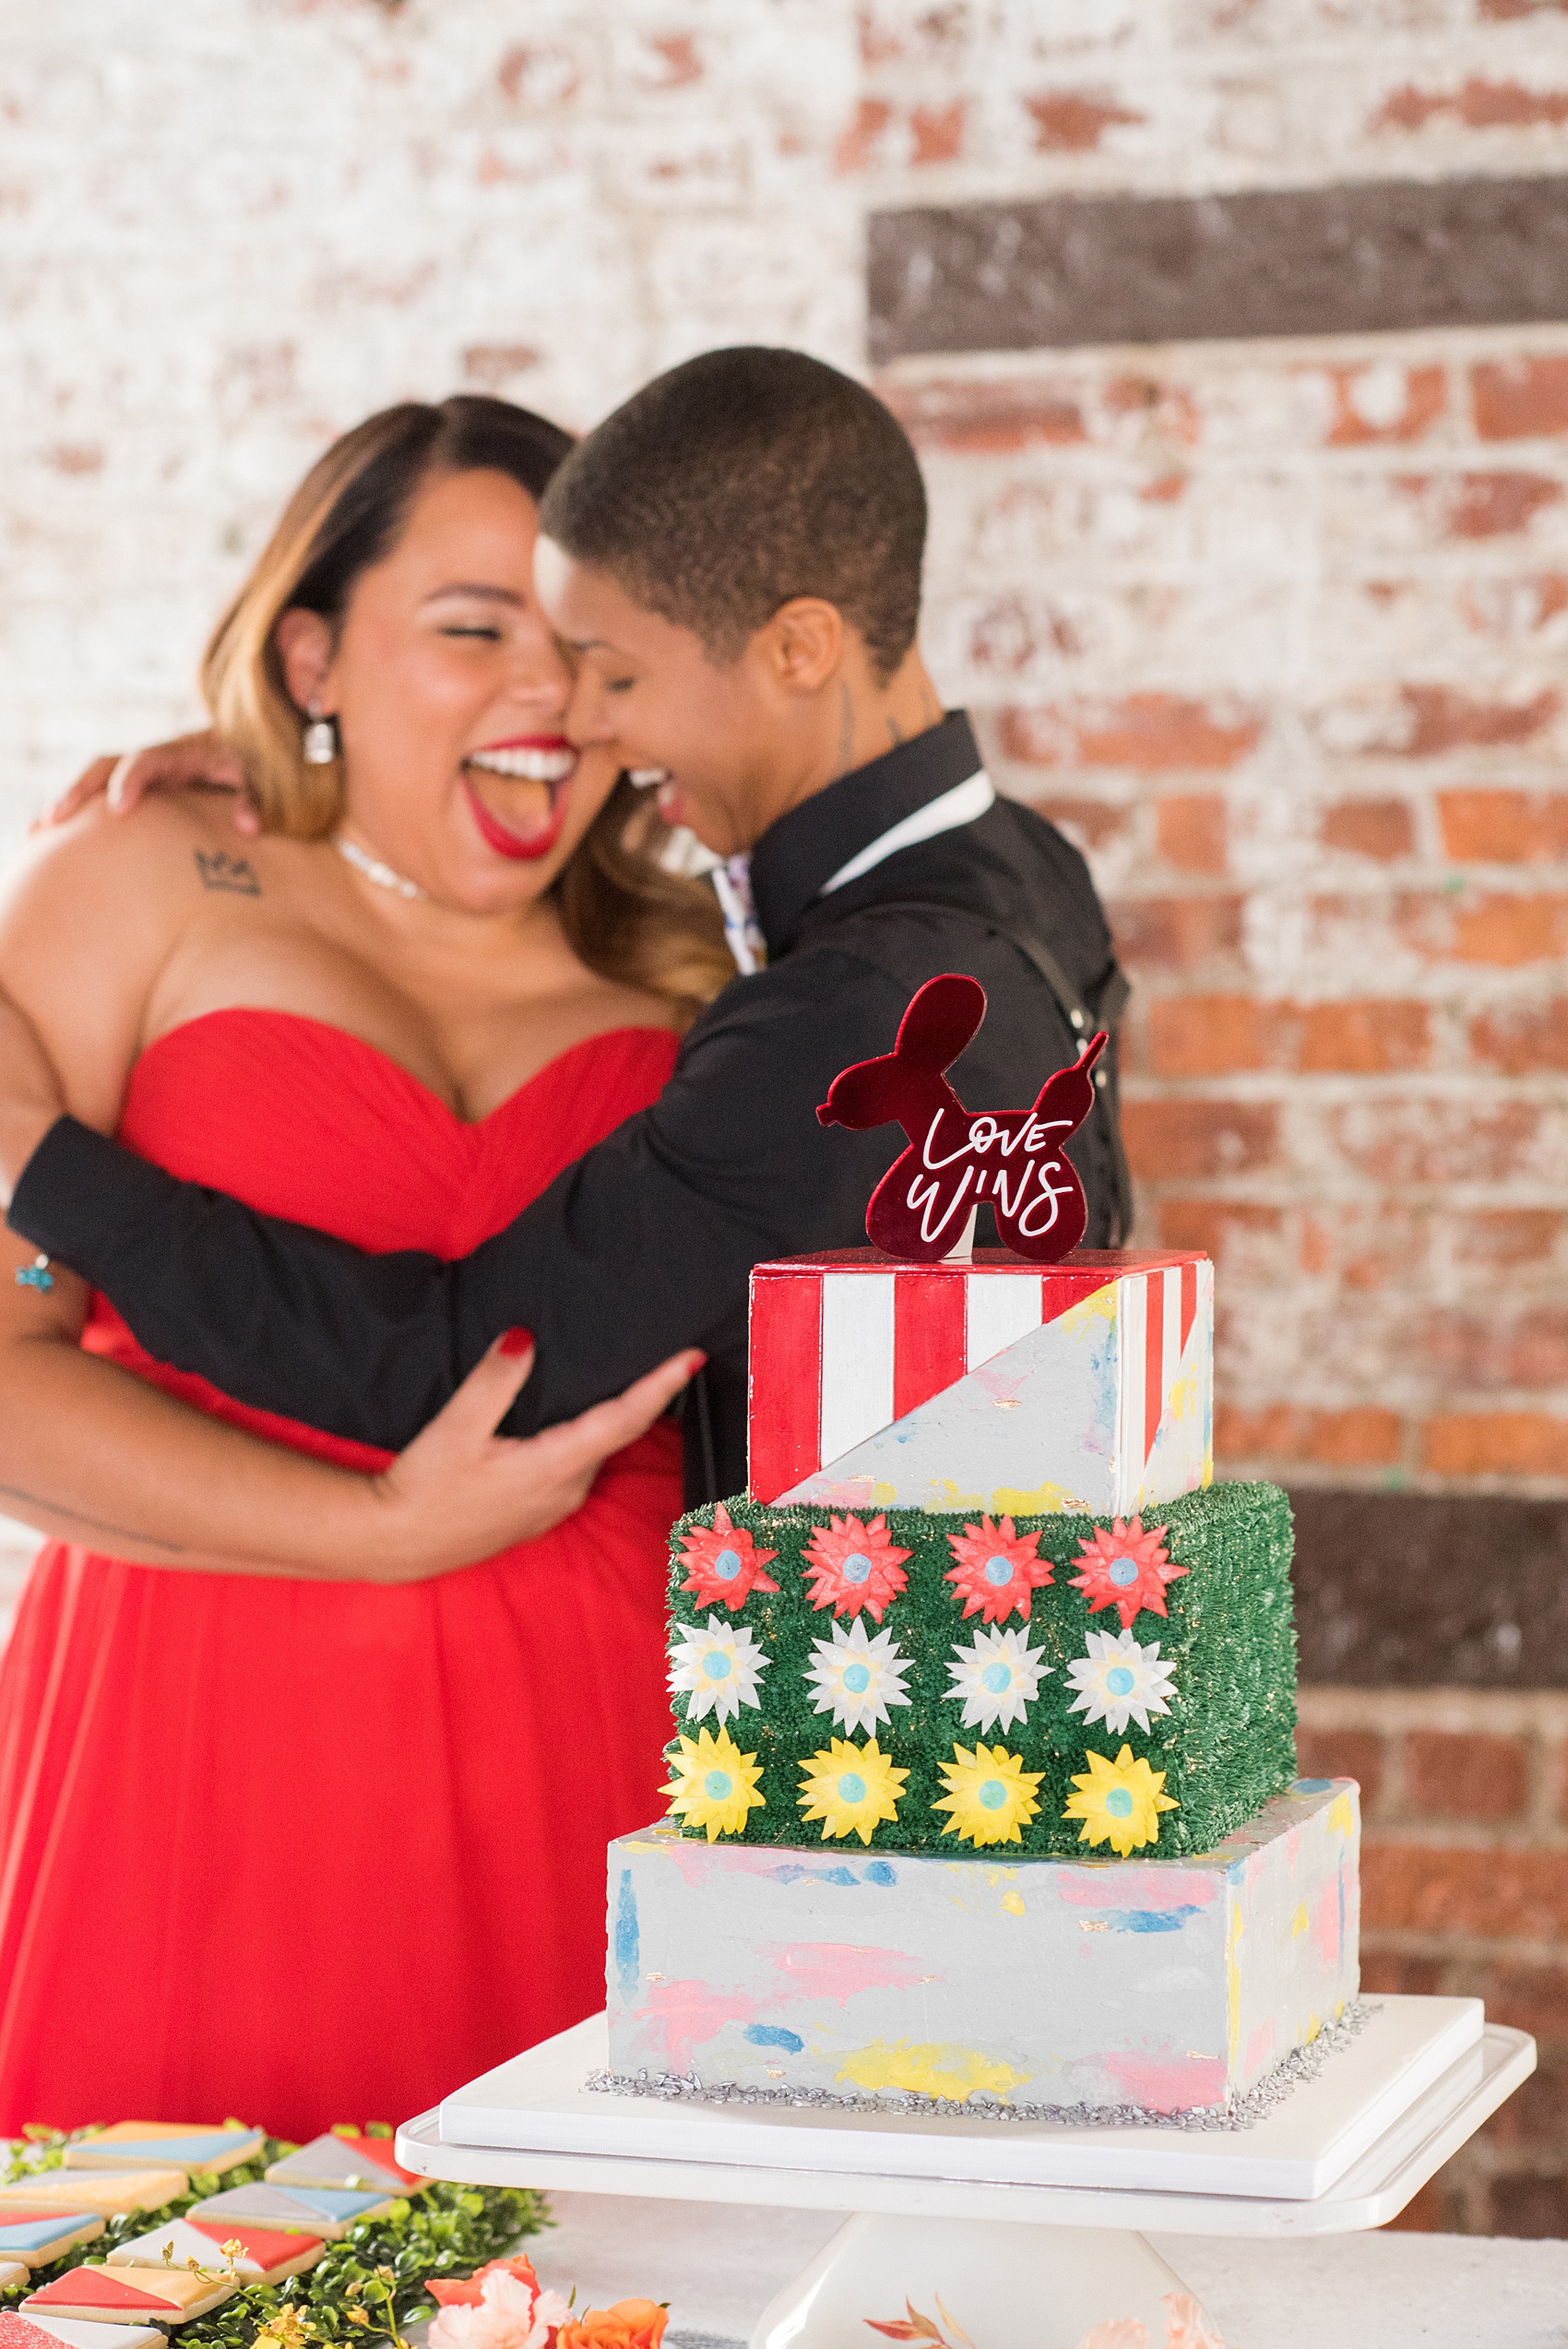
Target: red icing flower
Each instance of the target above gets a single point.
(724, 1566)
(854, 1565)
(997, 1569)
(1126, 1568)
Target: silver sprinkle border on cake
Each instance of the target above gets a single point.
(1291, 2072)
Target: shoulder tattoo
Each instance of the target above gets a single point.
(221, 871)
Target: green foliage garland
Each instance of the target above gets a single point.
(1226, 1746)
(444, 2230)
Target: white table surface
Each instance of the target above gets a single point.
(719, 2266)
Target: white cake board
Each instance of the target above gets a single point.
(1006, 2220)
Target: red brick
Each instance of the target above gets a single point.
(1381, 827)
(1169, 407)
(1519, 1041)
(1504, 11)
(1479, 105)
(1184, 1139)
(1495, 1443)
(1153, 733)
(1511, 930)
(936, 133)
(1426, 392)
(1510, 609)
(1073, 121)
(492, 366)
(1520, 398)
(1483, 505)
(1536, 2116)
(1364, 1437)
(1506, 1238)
(1423, 1140)
(1442, 718)
(1343, 1753)
(1453, 1776)
(1490, 1895)
(1399, 1972)
(1527, 1997)
(858, 143)
(1215, 1227)
(1503, 826)
(1483, 1348)
(73, 457)
(1207, 1035)
(673, 62)
(1368, 1037)
(1092, 823)
(1427, 2212)
(1176, 933)
(1506, 928)
(1190, 832)
(985, 419)
(540, 77)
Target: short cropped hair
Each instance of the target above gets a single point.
(742, 479)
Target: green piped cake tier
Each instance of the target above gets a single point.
(787, 1677)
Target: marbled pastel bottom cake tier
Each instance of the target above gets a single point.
(1166, 1985)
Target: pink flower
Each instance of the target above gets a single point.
(1125, 1568)
(854, 1563)
(724, 1566)
(1116, 2332)
(512, 2314)
(997, 1569)
(1188, 2327)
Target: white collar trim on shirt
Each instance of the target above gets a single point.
(962, 804)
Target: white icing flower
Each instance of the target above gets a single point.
(720, 1668)
(511, 2315)
(998, 1676)
(1119, 1681)
(856, 1678)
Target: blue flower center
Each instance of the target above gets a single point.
(997, 1676)
(856, 1678)
(726, 1564)
(715, 1666)
(856, 1567)
(1122, 1570)
(718, 1785)
(993, 1794)
(1119, 1680)
(1119, 1802)
(998, 1570)
(852, 1788)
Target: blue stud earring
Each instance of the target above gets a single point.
(35, 1275)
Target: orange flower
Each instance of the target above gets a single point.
(630, 2324)
(467, 2291)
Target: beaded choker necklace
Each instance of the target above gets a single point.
(373, 869)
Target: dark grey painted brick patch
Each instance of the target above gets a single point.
(1275, 261)
(1418, 1590)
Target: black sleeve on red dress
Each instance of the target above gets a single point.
(643, 1245)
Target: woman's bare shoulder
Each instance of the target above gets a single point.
(88, 915)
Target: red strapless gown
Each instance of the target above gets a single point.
(310, 1851)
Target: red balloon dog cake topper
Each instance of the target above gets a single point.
(1014, 1161)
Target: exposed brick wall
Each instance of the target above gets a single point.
(1277, 634)
(1465, 1894)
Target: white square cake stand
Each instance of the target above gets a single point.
(1017, 2227)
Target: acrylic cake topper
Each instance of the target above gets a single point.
(1012, 1160)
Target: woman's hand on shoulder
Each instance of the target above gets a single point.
(123, 779)
(460, 1492)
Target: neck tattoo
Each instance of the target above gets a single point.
(373, 869)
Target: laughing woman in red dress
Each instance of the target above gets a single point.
(302, 1814)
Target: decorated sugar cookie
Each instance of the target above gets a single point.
(302, 2210)
(160, 2143)
(132, 2296)
(338, 2159)
(12, 2272)
(265, 2256)
(47, 2332)
(106, 2193)
(42, 2236)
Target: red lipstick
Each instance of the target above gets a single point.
(504, 841)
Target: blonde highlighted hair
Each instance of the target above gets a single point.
(627, 917)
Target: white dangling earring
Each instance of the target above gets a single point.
(319, 745)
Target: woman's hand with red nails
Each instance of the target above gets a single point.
(459, 1491)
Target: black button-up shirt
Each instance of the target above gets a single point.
(645, 1244)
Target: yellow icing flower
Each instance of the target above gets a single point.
(715, 1783)
(1119, 1801)
(989, 1794)
(850, 1788)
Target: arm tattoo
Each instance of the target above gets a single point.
(98, 1524)
(222, 870)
